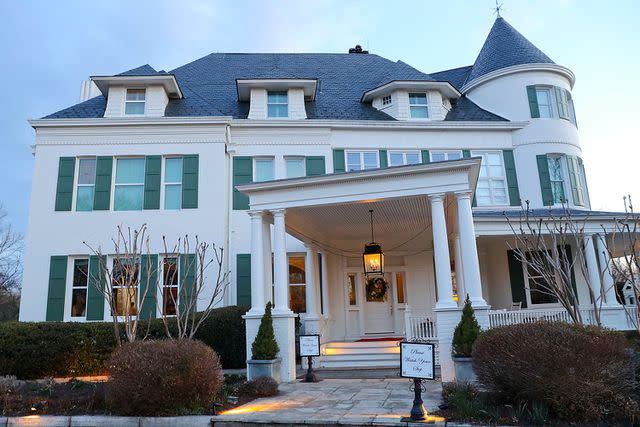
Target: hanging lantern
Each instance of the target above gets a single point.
(372, 257)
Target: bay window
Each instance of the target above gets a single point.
(491, 189)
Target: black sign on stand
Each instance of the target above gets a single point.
(309, 348)
(417, 361)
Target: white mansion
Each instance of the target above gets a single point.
(280, 157)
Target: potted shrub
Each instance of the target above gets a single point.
(264, 350)
(464, 336)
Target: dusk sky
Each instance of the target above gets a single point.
(49, 47)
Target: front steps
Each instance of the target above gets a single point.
(362, 354)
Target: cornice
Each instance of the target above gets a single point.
(559, 69)
(130, 121)
(377, 124)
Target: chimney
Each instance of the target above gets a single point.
(88, 90)
(358, 49)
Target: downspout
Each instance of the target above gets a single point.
(227, 214)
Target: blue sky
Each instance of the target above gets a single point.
(47, 49)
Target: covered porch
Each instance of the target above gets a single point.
(423, 220)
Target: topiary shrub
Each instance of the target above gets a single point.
(581, 373)
(163, 378)
(466, 332)
(258, 387)
(265, 347)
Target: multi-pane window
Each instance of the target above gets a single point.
(386, 100)
(491, 189)
(441, 156)
(555, 176)
(418, 108)
(170, 281)
(361, 160)
(79, 287)
(297, 284)
(277, 104)
(173, 183)
(86, 184)
(537, 287)
(399, 158)
(126, 278)
(129, 192)
(295, 167)
(263, 170)
(544, 102)
(134, 104)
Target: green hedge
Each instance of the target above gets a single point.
(40, 349)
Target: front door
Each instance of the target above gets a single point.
(378, 307)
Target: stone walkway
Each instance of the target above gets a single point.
(334, 401)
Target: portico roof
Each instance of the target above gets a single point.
(332, 210)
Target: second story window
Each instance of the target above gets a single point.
(263, 170)
(295, 167)
(361, 160)
(173, 183)
(399, 158)
(277, 104)
(544, 102)
(491, 189)
(134, 104)
(418, 108)
(557, 181)
(86, 184)
(129, 191)
(441, 156)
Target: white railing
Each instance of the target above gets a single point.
(419, 327)
(631, 316)
(504, 317)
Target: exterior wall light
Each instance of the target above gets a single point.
(372, 257)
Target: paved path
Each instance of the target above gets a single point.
(334, 401)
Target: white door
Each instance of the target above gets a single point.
(378, 308)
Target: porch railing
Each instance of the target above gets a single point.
(503, 317)
(419, 327)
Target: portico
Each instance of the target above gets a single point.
(423, 214)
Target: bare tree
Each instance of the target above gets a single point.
(134, 278)
(543, 245)
(10, 269)
(624, 250)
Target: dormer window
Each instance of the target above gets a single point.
(418, 108)
(134, 104)
(277, 104)
(386, 100)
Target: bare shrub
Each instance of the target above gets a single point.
(163, 377)
(259, 387)
(580, 372)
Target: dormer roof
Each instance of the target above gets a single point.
(143, 75)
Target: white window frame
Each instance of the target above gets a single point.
(76, 182)
(446, 154)
(527, 292)
(481, 153)
(361, 153)
(294, 158)
(256, 159)
(165, 183)
(162, 260)
(425, 105)
(306, 277)
(70, 288)
(143, 102)
(404, 156)
(549, 90)
(286, 92)
(564, 170)
(137, 294)
(114, 169)
(386, 100)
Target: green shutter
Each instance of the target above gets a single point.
(57, 280)
(338, 161)
(425, 156)
(96, 283)
(584, 180)
(188, 269)
(533, 102)
(148, 279)
(466, 154)
(314, 165)
(243, 279)
(152, 169)
(516, 276)
(512, 177)
(64, 190)
(574, 179)
(561, 102)
(190, 181)
(242, 174)
(545, 180)
(102, 197)
(382, 154)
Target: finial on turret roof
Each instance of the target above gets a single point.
(497, 9)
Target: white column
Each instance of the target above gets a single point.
(441, 252)
(607, 278)
(592, 267)
(268, 278)
(469, 250)
(257, 262)
(459, 275)
(325, 286)
(310, 275)
(280, 263)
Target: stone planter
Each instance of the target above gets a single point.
(464, 370)
(263, 368)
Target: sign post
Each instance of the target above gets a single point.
(417, 362)
(309, 348)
